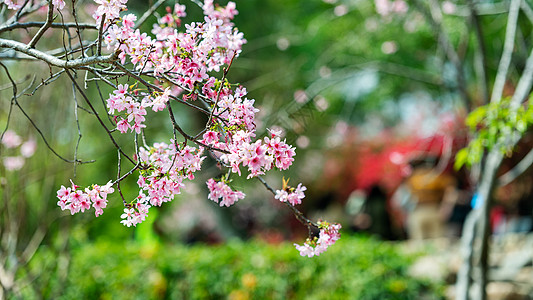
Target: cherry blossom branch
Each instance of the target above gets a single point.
(299, 215)
(181, 86)
(155, 87)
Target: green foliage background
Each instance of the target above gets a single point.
(356, 268)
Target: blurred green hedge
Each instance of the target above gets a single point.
(354, 268)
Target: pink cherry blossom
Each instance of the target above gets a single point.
(28, 148)
(59, 4)
(329, 234)
(218, 190)
(81, 200)
(13, 163)
(294, 197)
(11, 139)
(13, 4)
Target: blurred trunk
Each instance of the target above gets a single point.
(478, 224)
(486, 189)
(464, 276)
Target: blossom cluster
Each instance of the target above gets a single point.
(185, 57)
(219, 190)
(223, 13)
(137, 212)
(292, 195)
(329, 234)
(166, 168)
(12, 140)
(109, 9)
(259, 156)
(81, 200)
(135, 112)
(237, 110)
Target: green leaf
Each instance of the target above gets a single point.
(460, 158)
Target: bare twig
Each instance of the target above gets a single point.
(517, 170)
(148, 13)
(76, 106)
(98, 117)
(100, 35)
(77, 27)
(118, 181)
(46, 25)
(36, 127)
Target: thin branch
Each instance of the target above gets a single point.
(118, 181)
(189, 137)
(98, 116)
(527, 10)
(25, 10)
(78, 28)
(46, 25)
(100, 36)
(76, 106)
(524, 84)
(36, 127)
(226, 70)
(520, 168)
(148, 13)
(50, 79)
(299, 215)
(54, 61)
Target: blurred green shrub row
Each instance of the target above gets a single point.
(355, 268)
